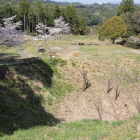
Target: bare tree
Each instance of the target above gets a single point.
(98, 105)
(109, 85)
(138, 105)
(135, 101)
(113, 107)
(117, 92)
(100, 108)
(86, 83)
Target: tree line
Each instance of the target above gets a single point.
(31, 14)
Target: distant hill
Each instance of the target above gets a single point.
(76, 4)
(16, 2)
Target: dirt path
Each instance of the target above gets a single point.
(24, 53)
(126, 51)
(19, 61)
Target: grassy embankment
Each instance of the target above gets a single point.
(24, 95)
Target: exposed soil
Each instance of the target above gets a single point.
(81, 105)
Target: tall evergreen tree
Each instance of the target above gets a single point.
(72, 18)
(46, 14)
(39, 12)
(76, 26)
(83, 25)
(32, 20)
(57, 12)
(126, 6)
(23, 10)
(6, 10)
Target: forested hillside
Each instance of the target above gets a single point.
(77, 15)
(96, 14)
(32, 13)
(82, 18)
(16, 2)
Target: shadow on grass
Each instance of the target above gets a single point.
(8, 55)
(20, 107)
(36, 70)
(120, 42)
(3, 70)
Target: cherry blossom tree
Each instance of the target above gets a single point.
(60, 28)
(40, 29)
(10, 35)
(41, 32)
(42, 35)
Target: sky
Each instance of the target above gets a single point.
(96, 1)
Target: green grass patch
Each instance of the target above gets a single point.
(117, 123)
(136, 117)
(59, 89)
(86, 129)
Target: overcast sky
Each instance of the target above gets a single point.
(95, 1)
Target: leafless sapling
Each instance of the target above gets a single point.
(86, 82)
(138, 105)
(109, 85)
(117, 92)
(98, 105)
